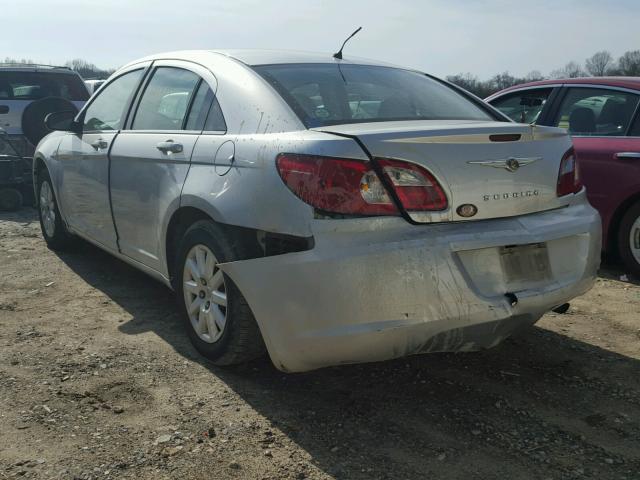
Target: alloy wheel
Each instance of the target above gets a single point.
(205, 293)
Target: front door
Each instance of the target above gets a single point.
(84, 183)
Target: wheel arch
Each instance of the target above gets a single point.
(180, 220)
(39, 164)
(187, 215)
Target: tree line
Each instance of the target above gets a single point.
(86, 69)
(600, 64)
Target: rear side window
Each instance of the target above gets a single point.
(596, 112)
(166, 99)
(524, 106)
(215, 119)
(108, 109)
(205, 113)
(330, 94)
(36, 85)
(200, 107)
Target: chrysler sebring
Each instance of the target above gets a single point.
(324, 210)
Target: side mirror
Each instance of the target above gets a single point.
(62, 121)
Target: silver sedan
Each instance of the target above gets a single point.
(325, 210)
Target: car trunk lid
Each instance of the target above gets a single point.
(504, 169)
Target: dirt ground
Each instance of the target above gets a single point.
(98, 380)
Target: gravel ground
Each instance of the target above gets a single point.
(98, 380)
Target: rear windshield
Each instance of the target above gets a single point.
(36, 85)
(330, 94)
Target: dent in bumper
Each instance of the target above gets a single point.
(366, 293)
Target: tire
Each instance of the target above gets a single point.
(629, 239)
(235, 340)
(33, 126)
(10, 199)
(54, 230)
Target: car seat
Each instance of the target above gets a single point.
(582, 120)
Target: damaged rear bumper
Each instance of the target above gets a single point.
(376, 289)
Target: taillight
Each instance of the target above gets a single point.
(569, 175)
(347, 186)
(336, 185)
(415, 187)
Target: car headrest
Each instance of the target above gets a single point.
(582, 120)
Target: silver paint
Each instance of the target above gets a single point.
(371, 288)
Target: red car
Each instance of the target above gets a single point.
(603, 117)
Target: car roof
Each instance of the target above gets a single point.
(30, 67)
(623, 82)
(254, 57)
(270, 57)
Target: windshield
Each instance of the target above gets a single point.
(330, 94)
(35, 85)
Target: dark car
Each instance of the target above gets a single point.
(28, 93)
(14, 175)
(602, 116)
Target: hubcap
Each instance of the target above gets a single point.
(47, 209)
(634, 239)
(205, 294)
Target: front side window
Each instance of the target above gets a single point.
(108, 109)
(166, 99)
(596, 112)
(330, 94)
(524, 106)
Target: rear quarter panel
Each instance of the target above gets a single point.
(251, 193)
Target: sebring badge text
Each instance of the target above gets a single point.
(511, 195)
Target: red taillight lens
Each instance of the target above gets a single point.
(569, 175)
(416, 188)
(336, 185)
(342, 185)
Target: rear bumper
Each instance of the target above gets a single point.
(377, 289)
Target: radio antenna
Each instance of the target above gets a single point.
(338, 54)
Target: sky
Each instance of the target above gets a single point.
(483, 37)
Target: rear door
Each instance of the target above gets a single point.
(599, 120)
(151, 158)
(83, 186)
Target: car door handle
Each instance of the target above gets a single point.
(100, 144)
(627, 155)
(170, 147)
